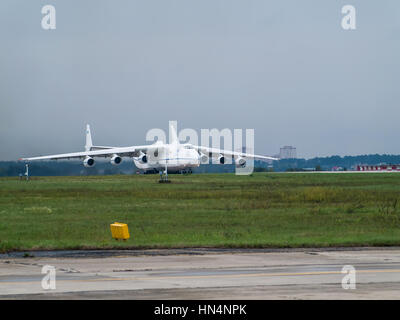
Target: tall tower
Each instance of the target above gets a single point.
(288, 152)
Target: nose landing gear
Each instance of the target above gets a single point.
(164, 175)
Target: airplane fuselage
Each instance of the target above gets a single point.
(174, 156)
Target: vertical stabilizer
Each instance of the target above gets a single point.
(173, 137)
(89, 143)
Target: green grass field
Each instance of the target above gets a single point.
(221, 210)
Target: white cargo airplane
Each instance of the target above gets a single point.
(159, 156)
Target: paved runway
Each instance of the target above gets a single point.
(204, 274)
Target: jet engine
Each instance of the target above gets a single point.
(221, 159)
(142, 158)
(203, 158)
(116, 160)
(240, 162)
(88, 162)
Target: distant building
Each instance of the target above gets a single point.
(288, 152)
(380, 167)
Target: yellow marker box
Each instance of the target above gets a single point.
(119, 230)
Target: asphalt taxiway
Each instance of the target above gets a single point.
(203, 274)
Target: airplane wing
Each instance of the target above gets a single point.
(133, 151)
(216, 152)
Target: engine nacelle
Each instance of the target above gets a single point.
(142, 158)
(116, 160)
(203, 158)
(221, 159)
(240, 162)
(89, 162)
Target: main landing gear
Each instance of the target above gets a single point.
(189, 171)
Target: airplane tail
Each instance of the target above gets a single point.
(172, 134)
(89, 143)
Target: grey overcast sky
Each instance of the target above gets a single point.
(285, 68)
